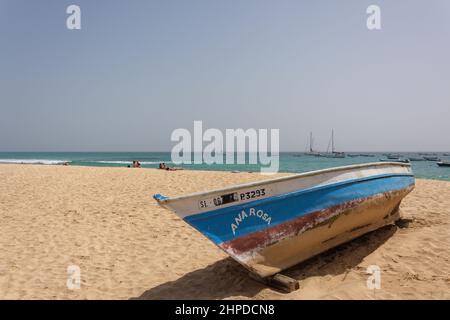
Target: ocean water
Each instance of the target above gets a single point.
(289, 161)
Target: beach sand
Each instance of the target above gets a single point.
(105, 221)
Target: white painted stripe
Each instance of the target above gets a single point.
(188, 205)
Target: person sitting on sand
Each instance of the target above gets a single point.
(173, 168)
(136, 164)
(164, 166)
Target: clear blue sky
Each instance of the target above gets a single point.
(139, 69)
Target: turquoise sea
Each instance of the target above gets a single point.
(289, 161)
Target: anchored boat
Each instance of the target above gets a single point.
(395, 160)
(443, 163)
(416, 159)
(271, 225)
(311, 151)
(333, 153)
(432, 158)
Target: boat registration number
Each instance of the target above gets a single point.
(231, 197)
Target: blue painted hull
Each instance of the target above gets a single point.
(217, 225)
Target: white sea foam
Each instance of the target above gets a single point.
(54, 161)
(130, 162)
(33, 161)
(113, 162)
(154, 162)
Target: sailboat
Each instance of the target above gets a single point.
(311, 151)
(333, 153)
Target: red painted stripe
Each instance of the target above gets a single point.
(292, 228)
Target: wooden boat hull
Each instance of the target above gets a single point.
(294, 218)
(317, 232)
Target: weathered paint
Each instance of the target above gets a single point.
(300, 216)
(251, 250)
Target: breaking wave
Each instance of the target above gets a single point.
(130, 162)
(33, 161)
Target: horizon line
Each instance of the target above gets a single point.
(165, 151)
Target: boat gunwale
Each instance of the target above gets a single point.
(281, 179)
(270, 199)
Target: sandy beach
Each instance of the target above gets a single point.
(105, 221)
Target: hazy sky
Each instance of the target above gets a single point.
(137, 70)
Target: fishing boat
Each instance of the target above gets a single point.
(443, 163)
(366, 155)
(416, 159)
(395, 160)
(427, 154)
(268, 226)
(393, 156)
(432, 158)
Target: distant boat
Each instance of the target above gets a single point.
(432, 158)
(353, 155)
(366, 155)
(395, 160)
(443, 164)
(311, 151)
(427, 154)
(333, 153)
(393, 156)
(446, 154)
(268, 226)
(416, 159)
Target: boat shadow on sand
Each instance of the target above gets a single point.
(226, 278)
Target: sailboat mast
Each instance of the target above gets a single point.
(310, 142)
(332, 141)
